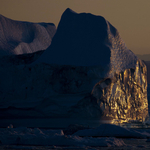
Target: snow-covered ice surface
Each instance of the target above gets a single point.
(106, 136)
(20, 37)
(36, 136)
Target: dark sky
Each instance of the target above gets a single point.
(130, 17)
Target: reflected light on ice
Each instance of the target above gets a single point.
(124, 98)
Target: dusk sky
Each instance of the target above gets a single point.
(130, 17)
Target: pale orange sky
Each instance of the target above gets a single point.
(130, 17)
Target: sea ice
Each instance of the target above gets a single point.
(109, 130)
(28, 136)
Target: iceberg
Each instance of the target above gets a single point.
(86, 76)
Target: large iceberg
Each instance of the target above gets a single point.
(86, 76)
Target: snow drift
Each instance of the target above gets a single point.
(18, 37)
(87, 74)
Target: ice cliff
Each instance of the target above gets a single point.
(87, 73)
(18, 37)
